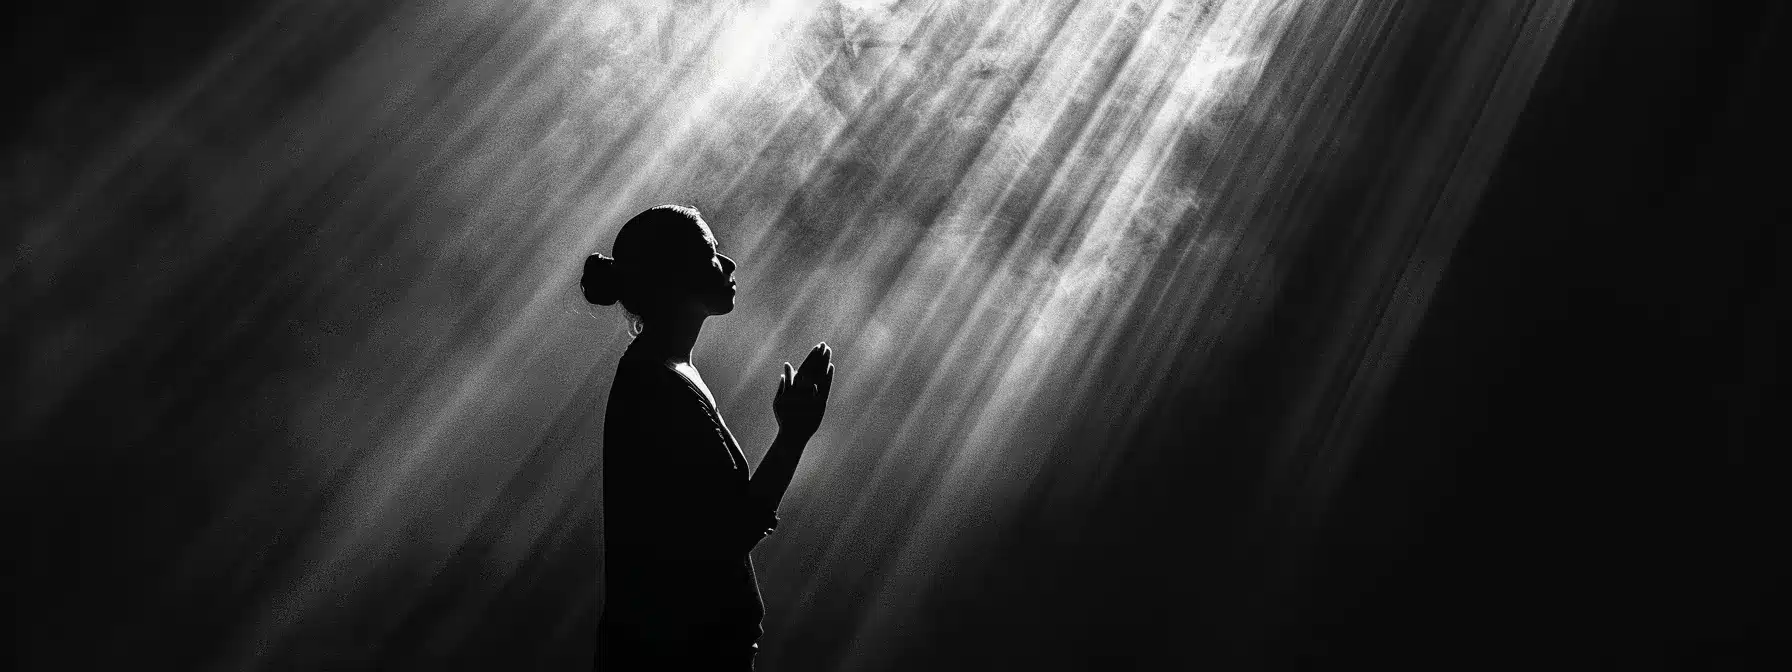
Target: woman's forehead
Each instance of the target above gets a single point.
(709, 237)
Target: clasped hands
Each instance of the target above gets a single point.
(802, 396)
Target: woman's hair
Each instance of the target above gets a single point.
(648, 244)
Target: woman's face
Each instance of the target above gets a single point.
(711, 279)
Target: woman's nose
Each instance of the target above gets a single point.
(728, 264)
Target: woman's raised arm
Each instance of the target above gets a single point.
(801, 402)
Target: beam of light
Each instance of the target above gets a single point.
(1017, 222)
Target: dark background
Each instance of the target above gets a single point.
(1578, 463)
(1575, 468)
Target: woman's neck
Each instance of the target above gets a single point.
(671, 338)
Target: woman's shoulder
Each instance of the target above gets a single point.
(647, 398)
(641, 375)
(642, 381)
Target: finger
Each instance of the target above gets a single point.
(827, 381)
(812, 362)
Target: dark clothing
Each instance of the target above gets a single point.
(617, 653)
(677, 525)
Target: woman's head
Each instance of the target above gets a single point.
(664, 264)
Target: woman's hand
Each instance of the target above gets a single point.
(801, 401)
(803, 393)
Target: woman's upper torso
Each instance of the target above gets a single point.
(678, 523)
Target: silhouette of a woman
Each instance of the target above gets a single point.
(681, 512)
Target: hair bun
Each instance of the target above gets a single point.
(600, 281)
